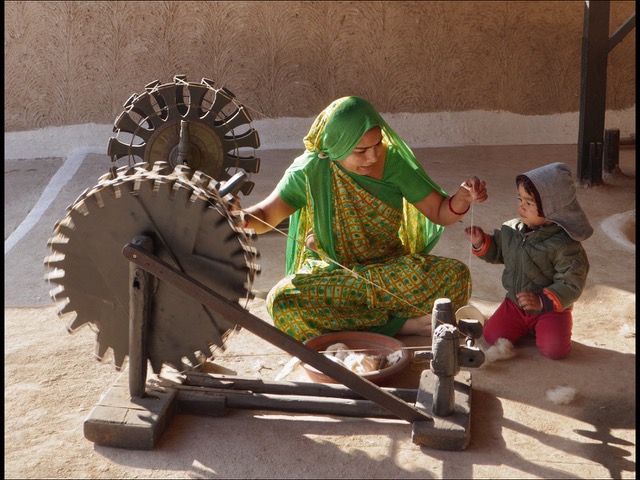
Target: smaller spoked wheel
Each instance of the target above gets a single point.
(187, 123)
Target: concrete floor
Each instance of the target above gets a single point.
(516, 431)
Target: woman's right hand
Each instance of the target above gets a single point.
(268, 213)
(475, 235)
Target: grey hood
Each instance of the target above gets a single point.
(557, 191)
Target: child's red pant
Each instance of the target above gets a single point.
(552, 329)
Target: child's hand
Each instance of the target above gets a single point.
(529, 301)
(475, 236)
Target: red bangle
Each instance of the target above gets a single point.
(453, 211)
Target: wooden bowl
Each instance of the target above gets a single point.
(370, 343)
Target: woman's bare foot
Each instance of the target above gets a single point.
(417, 326)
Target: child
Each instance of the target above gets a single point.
(545, 265)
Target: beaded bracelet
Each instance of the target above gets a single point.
(453, 211)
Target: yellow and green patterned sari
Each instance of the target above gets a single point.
(371, 269)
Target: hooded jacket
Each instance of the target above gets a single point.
(545, 260)
(548, 260)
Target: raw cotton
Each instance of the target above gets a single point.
(627, 332)
(502, 350)
(561, 395)
(288, 368)
(358, 362)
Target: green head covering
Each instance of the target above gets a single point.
(340, 126)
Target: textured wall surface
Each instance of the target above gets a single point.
(76, 62)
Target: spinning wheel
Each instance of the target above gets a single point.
(216, 132)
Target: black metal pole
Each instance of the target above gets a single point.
(593, 91)
(611, 150)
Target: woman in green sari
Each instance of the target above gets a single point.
(364, 217)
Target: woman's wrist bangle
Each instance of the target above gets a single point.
(453, 211)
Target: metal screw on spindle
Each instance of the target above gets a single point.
(471, 329)
(184, 145)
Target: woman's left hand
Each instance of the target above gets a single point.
(473, 190)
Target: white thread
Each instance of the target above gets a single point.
(471, 243)
(473, 197)
(470, 247)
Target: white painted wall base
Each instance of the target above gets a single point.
(423, 130)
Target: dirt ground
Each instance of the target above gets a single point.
(52, 380)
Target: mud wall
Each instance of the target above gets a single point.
(76, 62)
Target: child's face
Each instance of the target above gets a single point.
(527, 209)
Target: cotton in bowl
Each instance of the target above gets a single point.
(364, 342)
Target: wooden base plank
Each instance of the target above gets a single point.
(444, 433)
(118, 420)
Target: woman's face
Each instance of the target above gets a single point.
(367, 158)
